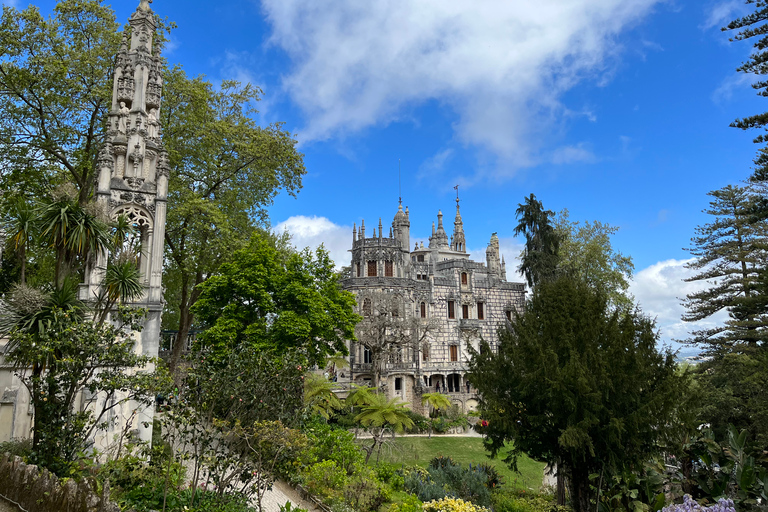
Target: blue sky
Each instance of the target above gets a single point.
(617, 110)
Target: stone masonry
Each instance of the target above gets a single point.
(462, 300)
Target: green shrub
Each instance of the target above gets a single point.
(411, 504)
(446, 478)
(331, 443)
(17, 447)
(512, 501)
(388, 473)
(364, 492)
(325, 480)
(420, 423)
(452, 505)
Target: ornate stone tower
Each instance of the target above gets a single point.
(133, 176)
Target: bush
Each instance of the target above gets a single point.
(330, 443)
(388, 473)
(420, 423)
(364, 492)
(504, 501)
(17, 447)
(411, 504)
(452, 505)
(446, 478)
(325, 480)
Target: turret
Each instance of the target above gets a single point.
(439, 238)
(492, 256)
(402, 227)
(458, 243)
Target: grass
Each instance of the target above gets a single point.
(420, 450)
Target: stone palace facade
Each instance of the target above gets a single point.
(457, 300)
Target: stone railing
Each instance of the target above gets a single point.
(40, 491)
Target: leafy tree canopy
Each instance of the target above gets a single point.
(276, 300)
(586, 251)
(576, 383)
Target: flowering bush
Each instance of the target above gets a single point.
(689, 505)
(452, 505)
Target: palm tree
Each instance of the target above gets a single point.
(319, 396)
(380, 414)
(73, 231)
(435, 401)
(21, 226)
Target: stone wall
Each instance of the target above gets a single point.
(41, 491)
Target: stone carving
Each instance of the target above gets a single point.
(122, 124)
(153, 123)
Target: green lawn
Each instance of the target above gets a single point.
(420, 450)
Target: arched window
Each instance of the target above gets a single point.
(464, 279)
(423, 308)
(367, 307)
(388, 269)
(372, 269)
(357, 266)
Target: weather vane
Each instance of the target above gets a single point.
(456, 188)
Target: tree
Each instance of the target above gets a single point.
(20, 226)
(577, 384)
(319, 396)
(276, 300)
(585, 250)
(730, 254)
(539, 259)
(55, 91)
(60, 354)
(390, 330)
(435, 402)
(379, 414)
(748, 27)
(225, 169)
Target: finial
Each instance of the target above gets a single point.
(144, 5)
(456, 188)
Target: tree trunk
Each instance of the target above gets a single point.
(580, 492)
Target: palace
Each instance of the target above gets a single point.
(447, 301)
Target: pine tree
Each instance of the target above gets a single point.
(754, 26)
(730, 254)
(540, 256)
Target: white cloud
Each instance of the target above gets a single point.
(313, 231)
(501, 66)
(573, 154)
(719, 14)
(731, 83)
(659, 288)
(11, 3)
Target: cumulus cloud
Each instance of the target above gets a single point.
(573, 154)
(659, 288)
(313, 231)
(501, 66)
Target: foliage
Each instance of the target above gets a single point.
(319, 396)
(327, 443)
(272, 448)
(451, 505)
(729, 256)
(17, 447)
(521, 501)
(732, 468)
(274, 301)
(410, 504)
(435, 402)
(379, 415)
(444, 477)
(585, 250)
(539, 259)
(326, 480)
(689, 505)
(56, 83)
(589, 391)
(753, 26)
(638, 490)
(363, 492)
(225, 170)
(71, 354)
